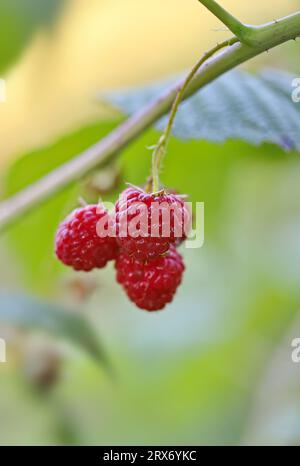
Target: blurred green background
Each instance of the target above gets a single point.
(215, 366)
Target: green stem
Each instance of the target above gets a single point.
(233, 24)
(266, 37)
(161, 146)
(254, 36)
(157, 157)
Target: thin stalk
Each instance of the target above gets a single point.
(239, 29)
(254, 36)
(161, 146)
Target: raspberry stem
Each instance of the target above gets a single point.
(161, 147)
(242, 31)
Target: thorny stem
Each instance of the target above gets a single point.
(161, 147)
(262, 38)
(253, 36)
(234, 25)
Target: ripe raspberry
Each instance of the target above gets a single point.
(150, 285)
(187, 221)
(146, 224)
(77, 243)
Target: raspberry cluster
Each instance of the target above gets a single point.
(147, 229)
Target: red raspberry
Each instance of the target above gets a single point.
(150, 285)
(77, 243)
(146, 224)
(187, 220)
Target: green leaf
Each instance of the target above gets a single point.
(32, 314)
(31, 238)
(18, 20)
(239, 105)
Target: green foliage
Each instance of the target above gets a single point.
(30, 313)
(239, 105)
(240, 292)
(18, 20)
(189, 374)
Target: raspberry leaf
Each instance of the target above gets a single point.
(239, 105)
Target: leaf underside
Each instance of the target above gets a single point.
(239, 105)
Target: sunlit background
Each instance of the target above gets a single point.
(215, 366)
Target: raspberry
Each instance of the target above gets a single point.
(187, 221)
(77, 243)
(146, 224)
(150, 285)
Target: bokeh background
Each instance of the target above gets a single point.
(214, 367)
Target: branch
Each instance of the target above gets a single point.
(254, 36)
(268, 36)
